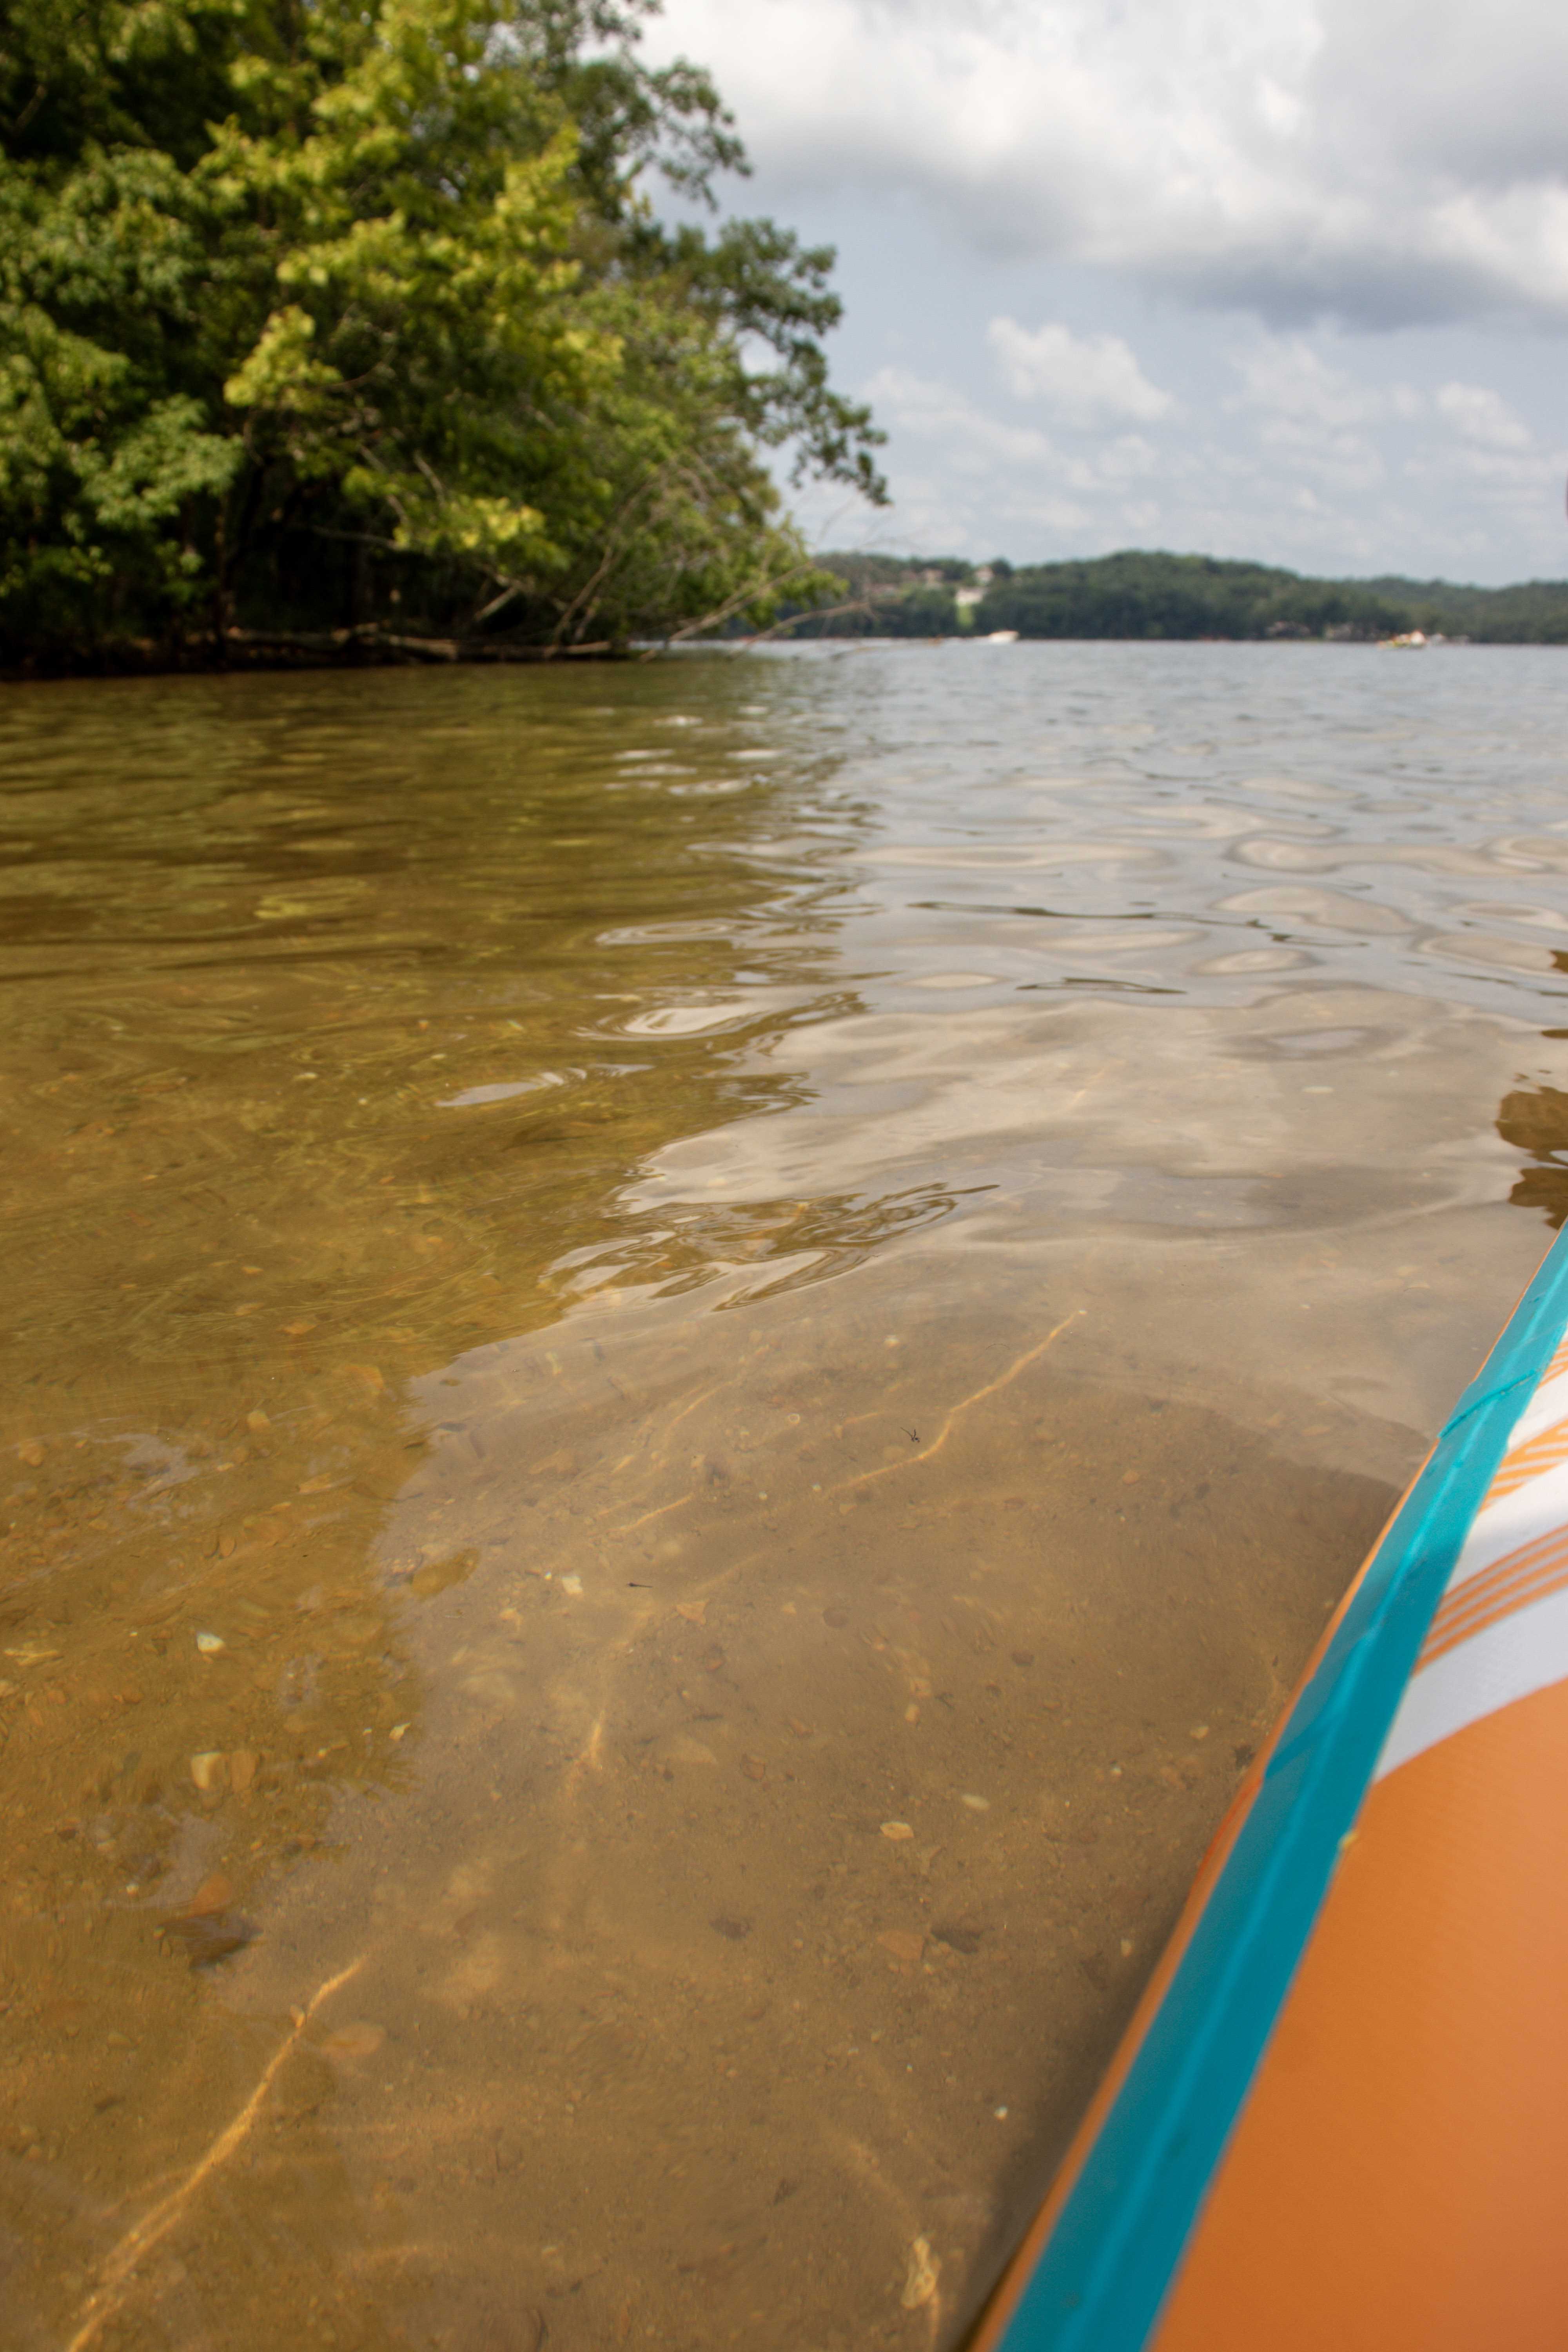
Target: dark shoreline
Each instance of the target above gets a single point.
(267, 649)
(201, 659)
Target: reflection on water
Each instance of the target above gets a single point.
(690, 1353)
(1535, 1119)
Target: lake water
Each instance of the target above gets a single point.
(690, 1352)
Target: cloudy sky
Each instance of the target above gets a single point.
(1283, 278)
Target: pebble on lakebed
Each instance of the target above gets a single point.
(920, 2280)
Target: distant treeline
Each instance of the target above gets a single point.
(1177, 596)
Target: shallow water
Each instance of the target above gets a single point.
(692, 1350)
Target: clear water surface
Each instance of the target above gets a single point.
(690, 1352)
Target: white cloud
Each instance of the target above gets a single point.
(1124, 459)
(1315, 416)
(1308, 462)
(1083, 380)
(1482, 416)
(1284, 377)
(1458, 90)
(935, 411)
(1299, 157)
(1383, 189)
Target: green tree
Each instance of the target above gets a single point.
(314, 312)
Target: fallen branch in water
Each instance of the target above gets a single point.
(374, 640)
(1003, 1379)
(113, 2288)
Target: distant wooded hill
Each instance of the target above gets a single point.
(1191, 596)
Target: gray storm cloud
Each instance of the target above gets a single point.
(1357, 158)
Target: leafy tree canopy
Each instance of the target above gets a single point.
(355, 314)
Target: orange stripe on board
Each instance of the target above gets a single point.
(1539, 1453)
(1395, 2182)
(1535, 1587)
(1520, 1576)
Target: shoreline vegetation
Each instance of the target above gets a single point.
(1137, 594)
(348, 329)
(1131, 596)
(1128, 597)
